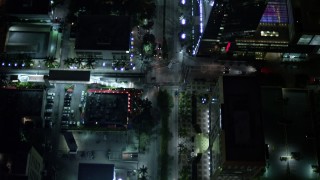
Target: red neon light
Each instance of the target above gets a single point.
(228, 46)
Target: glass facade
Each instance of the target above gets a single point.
(275, 12)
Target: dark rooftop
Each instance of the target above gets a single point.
(27, 6)
(241, 119)
(307, 16)
(107, 109)
(69, 75)
(71, 142)
(14, 105)
(95, 171)
(103, 33)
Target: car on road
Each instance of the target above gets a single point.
(283, 158)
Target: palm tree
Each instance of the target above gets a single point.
(79, 62)
(146, 104)
(90, 62)
(50, 62)
(143, 171)
(27, 61)
(69, 61)
(3, 79)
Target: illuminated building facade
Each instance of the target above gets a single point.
(284, 29)
(226, 21)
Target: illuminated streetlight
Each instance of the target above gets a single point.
(183, 36)
(183, 21)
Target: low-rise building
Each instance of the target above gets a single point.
(103, 37)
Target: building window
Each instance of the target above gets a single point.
(275, 12)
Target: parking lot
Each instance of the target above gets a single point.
(99, 147)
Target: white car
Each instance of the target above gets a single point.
(50, 97)
(48, 110)
(51, 94)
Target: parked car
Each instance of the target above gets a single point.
(48, 118)
(65, 115)
(283, 158)
(51, 94)
(48, 124)
(50, 101)
(66, 111)
(64, 118)
(50, 97)
(49, 106)
(47, 113)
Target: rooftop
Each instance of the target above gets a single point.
(103, 33)
(31, 39)
(14, 105)
(241, 119)
(69, 75)
(27, 6)
(107, 108)
(95, 171)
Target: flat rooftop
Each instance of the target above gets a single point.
(30, 39)
(241, 119)
(69, 75)
(106, 108)
(27, 6)
(14, 105)
(103, 33)
(307, 16)
(89, 171)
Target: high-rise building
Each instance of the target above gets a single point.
(307, 24)
(226, 21)
(236, 137)
(281, 29)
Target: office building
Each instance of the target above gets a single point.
(236, 138)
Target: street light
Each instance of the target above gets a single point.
(183, 21)
(183, 36)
